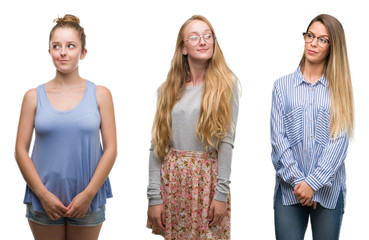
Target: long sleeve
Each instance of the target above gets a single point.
(284, 163)
(302, 149)
(331, 159)
(224, 171)
(153, 189)
(225, 151)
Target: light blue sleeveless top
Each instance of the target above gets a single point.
(67, 149)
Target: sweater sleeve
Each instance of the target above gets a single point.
(225, 151)
(154, 186)
(153, 189)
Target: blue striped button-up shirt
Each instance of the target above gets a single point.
(302, 149)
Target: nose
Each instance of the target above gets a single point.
(202, 40)
(62, 51)
(314, 42)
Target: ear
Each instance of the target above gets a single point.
(83, 55)
(184, 50)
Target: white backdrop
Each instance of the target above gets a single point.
(130, 45)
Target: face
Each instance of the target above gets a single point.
(202, 50)
(66, 50)
(313, 52)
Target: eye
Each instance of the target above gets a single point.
(324, 40)
(55, 46)
(207, 36)
(193, 38)
(71, 46)
(309, 35)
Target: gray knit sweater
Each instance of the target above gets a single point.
(184, 117)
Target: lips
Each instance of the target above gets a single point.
(202, 50)
(63, 61)
(312, 52)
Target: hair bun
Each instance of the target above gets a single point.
(67, 18)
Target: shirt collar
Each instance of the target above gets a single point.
(299, 79)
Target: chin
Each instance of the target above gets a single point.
(315, 60)
(204, 58)
(66, 70)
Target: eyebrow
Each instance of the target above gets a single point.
(206, 31)
(318, 36)
(67, 42)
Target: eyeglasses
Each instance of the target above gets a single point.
(193, 40)
(309, 37)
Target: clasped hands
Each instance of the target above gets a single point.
(55, 209)
(304, 193)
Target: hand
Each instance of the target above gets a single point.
(79, 205)
(217, 212)
(303, 193)
(156, 215)
(312, 203)
(52, 205)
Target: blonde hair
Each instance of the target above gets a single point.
(337, 72)
(215, 113)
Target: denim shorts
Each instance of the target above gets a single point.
(90, 219)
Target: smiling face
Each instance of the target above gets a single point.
(202, 51)
(66, 49)
(313, 52)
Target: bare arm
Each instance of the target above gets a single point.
(51, 204)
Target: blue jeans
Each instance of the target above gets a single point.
(291, 221)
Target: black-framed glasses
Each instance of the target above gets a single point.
(309, 37)
(194, 39)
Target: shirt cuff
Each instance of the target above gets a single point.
(155, 201)
(297, 181)
(221, 197)
(313, 183)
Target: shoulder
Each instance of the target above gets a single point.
(31, 93)
(285, 83)
(159, 91)
(160, 88)
(103, 95)
(236, 86)
(286, 79)
(29, 103)
(102, 91)
(30, 96)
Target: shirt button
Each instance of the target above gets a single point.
(310, 120)
(311, 104)
(311, 136)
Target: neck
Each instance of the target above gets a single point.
(312, 72)
(197, 69)
(68, 79)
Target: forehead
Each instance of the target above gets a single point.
(196, 26)
(318, 28)
(65, 34)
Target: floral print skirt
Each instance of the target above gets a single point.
(188, 180)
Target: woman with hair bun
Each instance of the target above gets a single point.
(312, 119)
(192, 140)
(67, 173)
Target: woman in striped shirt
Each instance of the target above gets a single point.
(311, 122)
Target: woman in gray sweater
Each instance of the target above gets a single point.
(192, 140)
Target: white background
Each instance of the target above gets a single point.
(130, 45)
